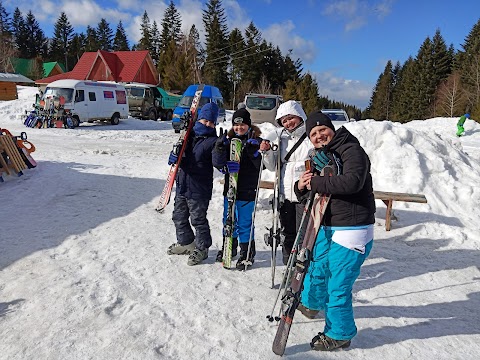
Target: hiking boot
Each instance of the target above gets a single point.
(197, 256)
(234, 250)
(243, 255)
(308, 313)
(322, 342)
(178, 249)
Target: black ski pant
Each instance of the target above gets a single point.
(290, 219)
(188, 213)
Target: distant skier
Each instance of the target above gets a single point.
(194, 189)
(345, 238)
(293, 150)
(248, 172)
(461, 121)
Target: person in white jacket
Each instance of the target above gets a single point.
(291, 118)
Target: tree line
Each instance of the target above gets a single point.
(235, 61)
(438, 82)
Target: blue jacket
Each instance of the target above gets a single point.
(195, 176)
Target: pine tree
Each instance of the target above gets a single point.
(252, 57)
(308, 93)
(237, 48)
(104, 35)
(199, 53)
(91, 40)
(155, 43)
(145, 42)
(468, 64)
(216, 63)
(120, 41)
(171, 26)
(61, 41)
(7, 49)
(36, 42)
(381, 100)
(77, 48)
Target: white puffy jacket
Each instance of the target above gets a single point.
(295, 166)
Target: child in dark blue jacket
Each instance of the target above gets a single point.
(248, 172)
(194, 185)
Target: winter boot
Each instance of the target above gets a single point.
(308, 313)
(322, 342)
(178, 249)
(197, 256)
(234, 250)
(243, 255)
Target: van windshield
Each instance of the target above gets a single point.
(186, 101)
(260, 103)
(57, 92)
(135, 91)
(336, 116)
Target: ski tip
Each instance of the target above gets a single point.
(160, 210)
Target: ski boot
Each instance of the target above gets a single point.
(243, 255)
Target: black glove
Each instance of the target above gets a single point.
(222, 142)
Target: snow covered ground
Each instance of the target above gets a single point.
(84, 272)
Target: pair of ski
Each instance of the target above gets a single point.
(297, 266)
(188, 119)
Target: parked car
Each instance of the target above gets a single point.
(89, 100)
(262, 107)
(210, 94)
(150, 102)
(339, 117)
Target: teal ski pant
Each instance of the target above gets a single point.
(329, 281)
(243, 219)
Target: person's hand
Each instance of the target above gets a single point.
(232, 167)
(304, 181)
(265, 145)
(173, 158)
(222, 142)
(252, 147)
(320, 160)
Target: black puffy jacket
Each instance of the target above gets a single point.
(195, 176)
(352, 202)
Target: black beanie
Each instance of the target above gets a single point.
(241, 116)
(317, 118)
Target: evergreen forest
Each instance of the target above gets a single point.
(438, 81)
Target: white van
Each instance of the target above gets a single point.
(90, 100)
(262, 107)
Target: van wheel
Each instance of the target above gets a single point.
(115, 120)
(76, 121)
(152, 115)
(169, 115)
(177, 131)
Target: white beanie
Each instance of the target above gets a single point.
(290, 107)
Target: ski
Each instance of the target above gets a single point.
(236, 147)
(298, 264)
(188, 120)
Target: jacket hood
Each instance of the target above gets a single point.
(290, 107)
(256, 132)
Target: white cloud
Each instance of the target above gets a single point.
(283, 36)
(88, 12)
(357, 13)
(352, 92)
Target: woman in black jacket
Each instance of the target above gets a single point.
(345, 238)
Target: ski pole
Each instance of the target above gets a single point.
(247, 261)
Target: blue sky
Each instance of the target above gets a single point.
(344, 44)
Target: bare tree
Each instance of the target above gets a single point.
(263, 86)
(7, 51)
(450, 98)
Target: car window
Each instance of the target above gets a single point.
(134, 91)
(260, 103)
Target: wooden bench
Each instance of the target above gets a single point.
(387, 197)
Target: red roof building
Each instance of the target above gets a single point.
(118, 66)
